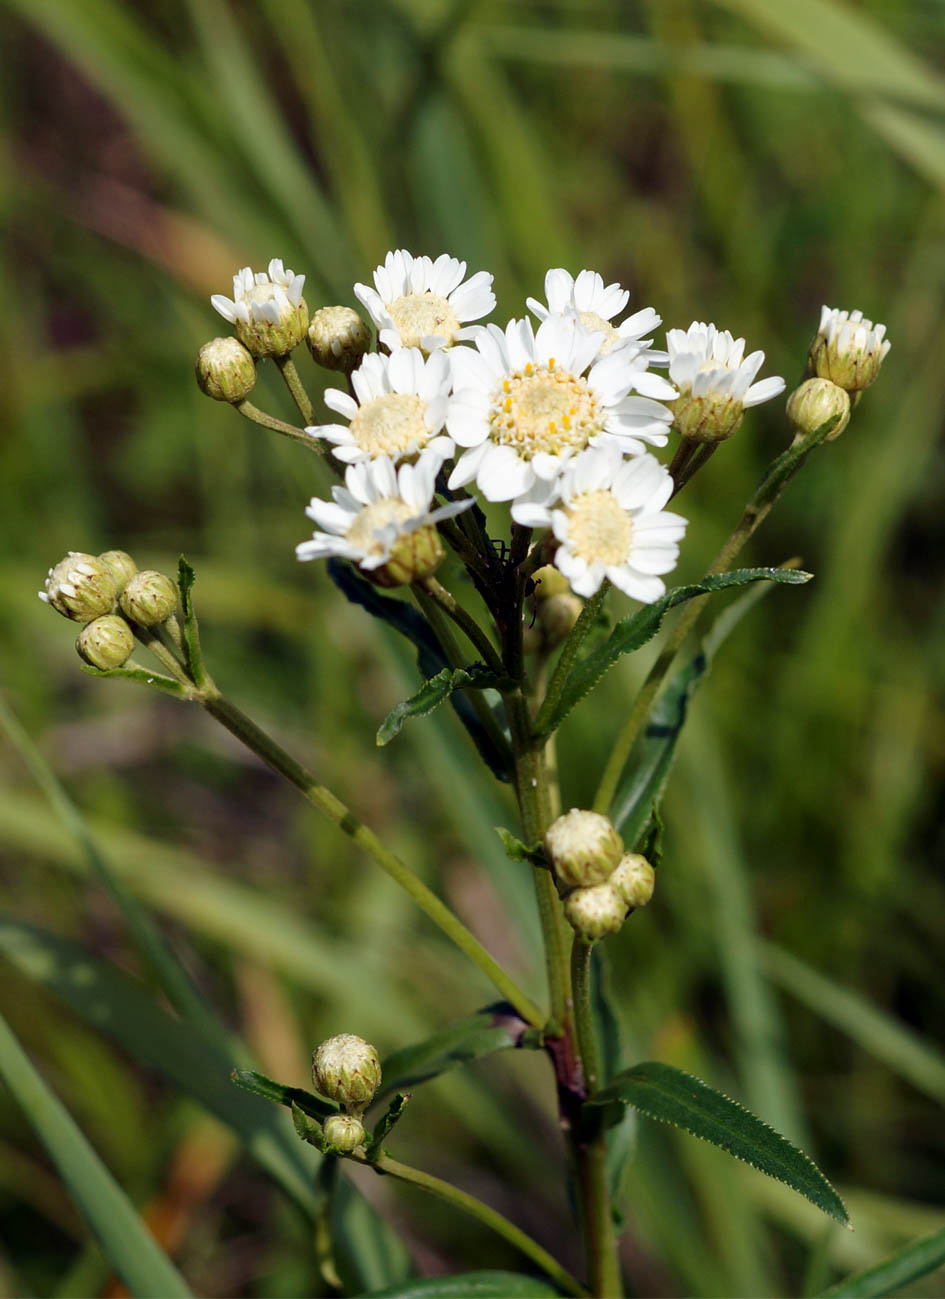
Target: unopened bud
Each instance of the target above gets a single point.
(413, 556)
(106, 642)
(267, 309)
(347, 1069)
(122, 566)
(814, 402)
(80, 587)
(549, 581)
(225, 370)
(711, 417)
(343, 1132)
(557, 616)
(595, 912)
(583, 848)
(847, 349)
(633, 880)
(338, 338)
(149, 598)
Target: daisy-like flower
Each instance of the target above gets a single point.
(267, 310)
(381, 520)
(715, 381)
(847, 349)
(596, 304)
(418, 302)
(526, 401)
(400, 408)
(607, 514)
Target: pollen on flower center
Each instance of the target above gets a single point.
(548, 411)
(373, 519)
(390, 425)
(422, 315)
(599, 528)
(260, 294)
(598, 325)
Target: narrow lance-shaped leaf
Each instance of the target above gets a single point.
(634, 631)
(495, 1028)
(189, 633)
(900, 1269)
(470, 1285)
(141, 677)
(672, 1096)
(280, 1094)
(435, 691)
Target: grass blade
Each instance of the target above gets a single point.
(902, 1268)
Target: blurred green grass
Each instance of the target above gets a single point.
(741, 162)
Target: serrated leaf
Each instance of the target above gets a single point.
(634, 631)
(270, 1090)
(470, 1285)
(189, 632)
(367, 1252)
(435, 691)
(154, 680)
(395, 1112)
(515, 850)
(668, 1094)
(494, 1028)
(900, 1269)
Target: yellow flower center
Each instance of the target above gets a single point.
(599, 528)
(422, 315)
(391, 425)
(372, 518)
(598, 325)
(544, 410)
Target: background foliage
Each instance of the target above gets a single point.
(740, 161)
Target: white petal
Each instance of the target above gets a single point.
(225, 306)
(341, 402)
(764, 391)
(503, 475)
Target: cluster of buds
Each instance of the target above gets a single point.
(109, 595)
(554, 611)
(347, 1070)
(601, 882)
(844, 358)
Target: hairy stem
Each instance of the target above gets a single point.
(465, 621)
(290, 374)
(567, 656)
(249, 411)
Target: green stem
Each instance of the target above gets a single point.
(482, 1213)
(769, 491)
(465, 621)
(286, 367)
(581, 953)
(567, 656)
(249, 411)
(276, 757)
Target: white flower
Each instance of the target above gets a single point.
(848, 349)
(715, 381)
(595, 305)
(400, 408)
(379, 507)
(525, 401)
(608, 515)
(267, 310)
(418, 302)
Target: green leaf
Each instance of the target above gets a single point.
(367, 1252)
(126, 1011)
(435, 691)
(470, 1285)
(672, 1096)
(495, 1028)
(129, 1245)
(155, 680)
(189, 633)
(515, 850)
(270, 1090)
(632, 632)
(900, 1269)
(395, 1112)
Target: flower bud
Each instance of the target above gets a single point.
(80, 587)
(343, 1132)
(267, 309)
(347, 1069)
(633, 880)
(106, 642)
(413, 556)
(595, 912)
(557, 615)
(549, 582)
(583, 848)
(711, 417)
(847, 349)
(338, 338)
(815, 401)
(149, 598)
(122, 566)
(225, 370)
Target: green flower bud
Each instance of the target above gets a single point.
(344, 1132)
(815, 401)
(595, 912)
(338, 338)
(413, 556)
(633, 880)
(347, 1069)
(225, 370)
(106, 642)
(80, 587)
(549, 581)
(149, 598)
(711, 417)
(847, 349)
(583, 848)
(557, 616)
(122, 566)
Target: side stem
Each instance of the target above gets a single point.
(249, 411)
(290, 374)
